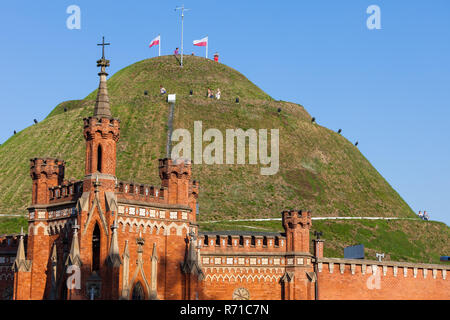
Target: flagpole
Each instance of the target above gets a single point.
(183, 9)
(207, 40)
(159, 47)
(182, 29)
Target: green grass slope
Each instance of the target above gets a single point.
(319, 170)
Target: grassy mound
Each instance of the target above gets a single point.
(319, 169)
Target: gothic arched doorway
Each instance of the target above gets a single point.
(138, 292)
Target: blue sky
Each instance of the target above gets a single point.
(388, 88)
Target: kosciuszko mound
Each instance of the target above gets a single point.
(319, 170)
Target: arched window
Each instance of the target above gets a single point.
(138, 292)
(96, 248)
(99, 158)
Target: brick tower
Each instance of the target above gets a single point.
(98, 204)
(299, 280)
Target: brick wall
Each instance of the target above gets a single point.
(346, 279)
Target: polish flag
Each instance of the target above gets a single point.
(155, 41)
(202, 42)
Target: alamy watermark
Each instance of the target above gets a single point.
(374, 281)
(374, 20)
(213, 153)
(74, 280)
(74, 20)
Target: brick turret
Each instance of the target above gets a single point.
(101, 132)
(45, 173)
(175, 176)
(297, 225)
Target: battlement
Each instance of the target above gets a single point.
(50, 167)
(141, 192)
(179, 167)
(67, 191)
(293, 218)
(10, 242)
(241, 241)
(175, 176)
(45, 173)
(107, 128)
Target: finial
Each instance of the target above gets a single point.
(103, 44)
(318, 234)
(102, 108)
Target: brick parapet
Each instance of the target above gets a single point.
(403, 269)
(241, 242)
(141, 192)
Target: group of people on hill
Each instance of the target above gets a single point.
(210, 94)
(424, 215)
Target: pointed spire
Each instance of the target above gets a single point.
(113, 259)
(190, 264)
(154, 253)
(21, 263)
(102, 108)
(126, 251)
(74, 257)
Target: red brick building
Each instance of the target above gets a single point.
(101, 238)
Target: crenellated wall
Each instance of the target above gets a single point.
(344, 279)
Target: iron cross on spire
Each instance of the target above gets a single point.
(103, 44)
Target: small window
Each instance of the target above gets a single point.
(253, 241)
(99, 158)
(229, 241)
(205, 240)
(241, 240)
(277, 241)
(217, 240)
(265, 241)
(96, 248)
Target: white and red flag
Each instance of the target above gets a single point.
(156, 42)
(202, 43)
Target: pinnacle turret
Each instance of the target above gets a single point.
(21, 263)
(114, 256)
(102, 108)
(74, 257)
